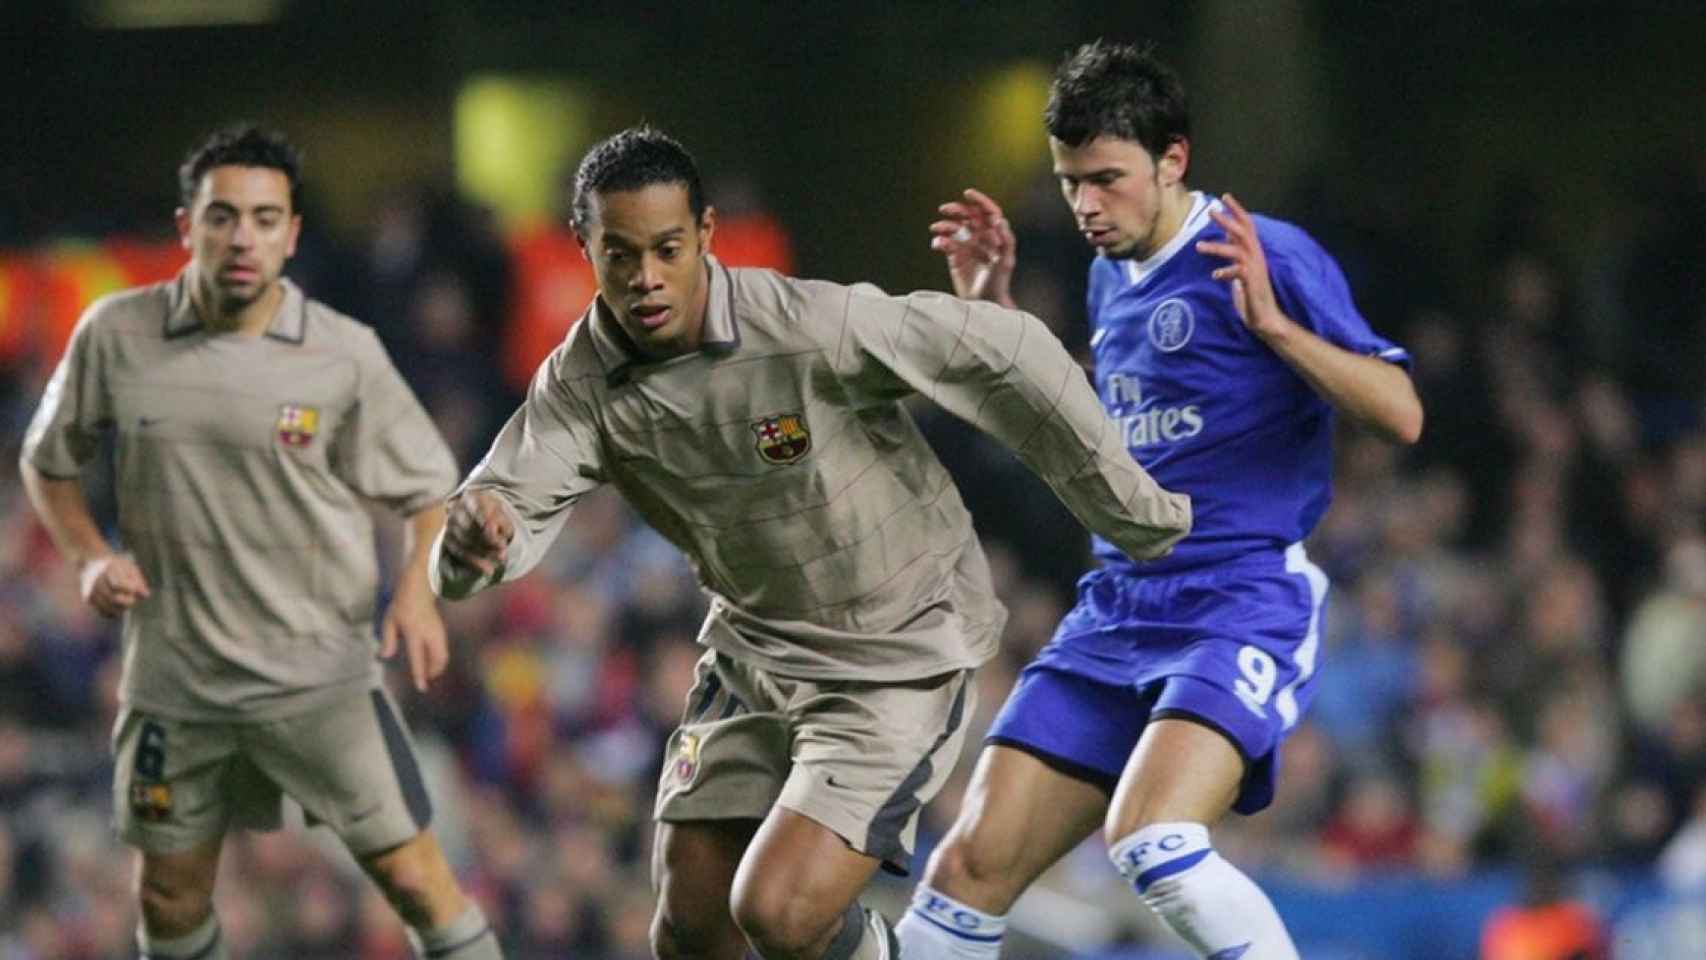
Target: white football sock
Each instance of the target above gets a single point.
(1208, 902)
(202, 943)
(468, 937)
(938, 927)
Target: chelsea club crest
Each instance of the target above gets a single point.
(1171, 325)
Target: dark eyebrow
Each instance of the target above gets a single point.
(1093, 174)
(673, 233)
(224, 207)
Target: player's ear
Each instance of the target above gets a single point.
(181, 218)
(707, 225)
(1174, 162)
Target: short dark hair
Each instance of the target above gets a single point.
(1117, 90)
(241, 145)
(637, 157)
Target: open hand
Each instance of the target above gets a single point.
(413, 623)
(1252, 287)
(977, 241)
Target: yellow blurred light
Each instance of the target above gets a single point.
(514, 136)
(1011, 110)
(163, 14)
(999, 141)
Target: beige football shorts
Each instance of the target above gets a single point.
(350, 764)
(858, 758)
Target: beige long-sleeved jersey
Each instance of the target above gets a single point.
(778, 457)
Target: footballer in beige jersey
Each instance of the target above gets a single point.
(756, 421)
(242, 465)
(251, 427)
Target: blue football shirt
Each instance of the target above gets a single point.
(1207, 407)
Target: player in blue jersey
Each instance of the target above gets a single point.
(1223, 343)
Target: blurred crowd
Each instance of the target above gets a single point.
(1514, 664)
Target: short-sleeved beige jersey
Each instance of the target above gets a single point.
(242, 463)
(778, 457)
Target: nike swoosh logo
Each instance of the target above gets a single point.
(1232, 953)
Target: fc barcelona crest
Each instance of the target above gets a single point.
(297, 424)
(782, 439)
(687, 759)
(151, 801)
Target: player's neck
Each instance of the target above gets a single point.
(1176, 203)
(249, 319)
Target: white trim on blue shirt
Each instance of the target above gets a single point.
(1137, 271)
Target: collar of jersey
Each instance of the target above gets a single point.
(720, 337)
(1137, 271)
(289, 324)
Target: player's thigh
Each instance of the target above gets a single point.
(693, 872)
(172, 781)
(797, 878)
(351, 765)
(1183, 770)
(1019, 816)
(1050, 762)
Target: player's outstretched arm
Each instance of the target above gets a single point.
(1003, 372)
(511, 508)
(977, 242)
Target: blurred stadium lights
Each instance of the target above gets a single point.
(164, 14)
(1010, 110)
(999, 141)
(513, 138)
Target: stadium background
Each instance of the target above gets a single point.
(1513, 704)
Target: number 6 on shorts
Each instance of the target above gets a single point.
(151, 752)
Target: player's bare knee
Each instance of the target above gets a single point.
(1143, 808)
(778, 922)
(678, 938)
(973, 859)
(172, 906)
(668, 940)
(1123, 823)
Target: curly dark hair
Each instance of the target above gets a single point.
(1117, 90)
(637, 157)
(242, 145)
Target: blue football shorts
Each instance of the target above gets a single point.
(1232, 646)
